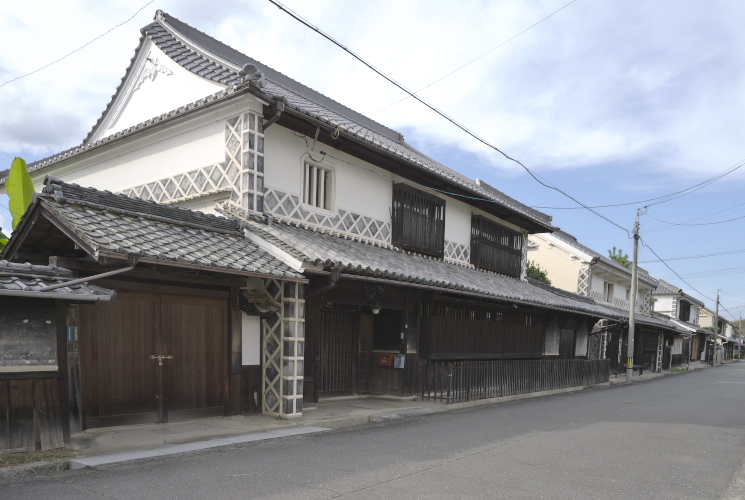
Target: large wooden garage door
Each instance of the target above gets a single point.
(122, 384)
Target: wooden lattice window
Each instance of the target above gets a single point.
(318, 186)
(685, 311)
(495, 247)
(418, 221)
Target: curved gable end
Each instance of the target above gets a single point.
(156, 82)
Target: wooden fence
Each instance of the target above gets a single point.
(458, 381)
(30, 414)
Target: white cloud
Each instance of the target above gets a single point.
(595, 83)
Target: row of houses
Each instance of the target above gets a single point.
(227, 241)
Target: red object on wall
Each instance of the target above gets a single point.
(385, 359)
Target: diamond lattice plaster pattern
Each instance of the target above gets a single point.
(241, 174)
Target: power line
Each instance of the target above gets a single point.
(672, 196)
(722, 271)
(735, 296)
(674, 272)
(79, 48)
(479, 57)
(684, 224)
(298, 18)
(699, 256)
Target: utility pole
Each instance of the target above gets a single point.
(632, 303)
(714, 338)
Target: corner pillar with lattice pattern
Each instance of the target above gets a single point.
(284, 350)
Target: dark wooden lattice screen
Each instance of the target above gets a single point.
(418, 221)
(495, 247)
(337, 354)
(463, 330)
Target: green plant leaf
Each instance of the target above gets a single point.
(20, 190)
(3, 240)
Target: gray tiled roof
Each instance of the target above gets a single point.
(114, 224)
(572, 241)
(218, 62)
(665, 288)
(359, 258)
(27, 280)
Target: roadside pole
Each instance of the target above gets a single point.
(716, 332)
(632, 304)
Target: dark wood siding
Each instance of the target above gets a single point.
(338, 353)
(418, 221)
(122, 384)
(496, 248)
(464, 330)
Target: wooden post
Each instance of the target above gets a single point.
(62, 382)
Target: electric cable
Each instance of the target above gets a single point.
(673, 270)
(298, 18)
(78, 49)
(684, 224)
(699, 256)
(702, 184)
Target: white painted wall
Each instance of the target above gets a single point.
(173, 150)
(358, 190)
(364, 189)
(664, 304)
(166, 91)
(251, 339)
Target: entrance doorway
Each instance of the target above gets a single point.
(337, 367)
(152, 358)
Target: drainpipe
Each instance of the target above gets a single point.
(273, 119)
(333, 278)
(132, 260)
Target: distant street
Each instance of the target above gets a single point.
(678, 437)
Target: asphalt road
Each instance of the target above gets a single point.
(676, 437)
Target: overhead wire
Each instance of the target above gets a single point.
(672, 196)
(673, 270)
(78, 49)
(699, 256)
(309, 25)
(477, 58)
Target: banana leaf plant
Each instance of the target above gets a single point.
(20, 189)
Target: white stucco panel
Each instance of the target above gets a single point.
(163, 155)
(357, 188)
(156, 85)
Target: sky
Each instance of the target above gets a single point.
(614, 102)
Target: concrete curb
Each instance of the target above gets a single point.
(179, 449)
(377, 418)
(305, 428)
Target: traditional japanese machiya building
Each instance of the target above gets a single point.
(394, 265)
(575, 267)
(684, 310)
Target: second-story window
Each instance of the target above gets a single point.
(609, 292)
(318, 186)
(495, 247)
(418, 221)
(684, 311)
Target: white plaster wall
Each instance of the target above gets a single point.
(158, 95)
(176, 149)
(364, 189)
(458, 220)
(562, 269)
(358, 190)
(251, 339)
(597, 284)
(664, 304)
